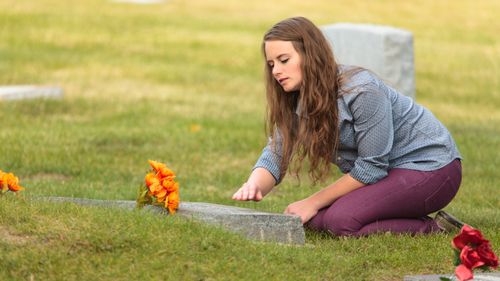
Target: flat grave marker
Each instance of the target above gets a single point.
(253, 224)
(478, 276)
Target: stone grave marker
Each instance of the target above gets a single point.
(478, 276)
(253, 224)
(385, 50)
(29, 92)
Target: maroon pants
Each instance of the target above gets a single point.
(399, 203)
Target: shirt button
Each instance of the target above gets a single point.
(339, 158)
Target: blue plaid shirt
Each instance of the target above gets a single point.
(380, 129)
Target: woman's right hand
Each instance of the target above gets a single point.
(248, 191)
(260, 182)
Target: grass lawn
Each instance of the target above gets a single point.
(181, 83)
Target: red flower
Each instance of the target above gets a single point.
(475, 251)
(470, 258)
(486, 253)
(468, 235)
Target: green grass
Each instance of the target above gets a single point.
(136, 78)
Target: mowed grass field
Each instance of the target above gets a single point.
(181, 83)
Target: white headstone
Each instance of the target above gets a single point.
(385, 50)
(29, 92)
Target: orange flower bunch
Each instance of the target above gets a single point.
(161, 185)
(9, 182)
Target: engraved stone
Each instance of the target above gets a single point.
(253, 224)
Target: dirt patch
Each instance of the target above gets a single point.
(10, 237)
(48, 176)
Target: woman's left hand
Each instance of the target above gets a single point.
(305, 209)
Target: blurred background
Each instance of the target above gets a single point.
(181, 82)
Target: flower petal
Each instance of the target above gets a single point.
(173, 202)
(161, 169)
(15, 188)
(151, 179)
(470, 258)
(161, 193)
(463, 273)
(162, 198)
(155, 188)
(487, 255)
(174, 187)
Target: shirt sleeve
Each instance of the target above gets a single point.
(374, 135)
(270, 159)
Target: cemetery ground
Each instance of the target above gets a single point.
(181, 82)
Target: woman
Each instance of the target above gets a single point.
(399, 162)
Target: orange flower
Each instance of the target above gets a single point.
(173, 202)
(161, 170)
(10, 182)
(170, 185)
(151, 179)
(155, 188)
(174, 187)
(162, 196)
(160, 184)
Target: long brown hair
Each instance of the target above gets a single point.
(314, 133)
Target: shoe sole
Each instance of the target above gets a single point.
(449, 219)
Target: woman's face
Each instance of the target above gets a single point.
(284, 62)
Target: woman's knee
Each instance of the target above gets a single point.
(341, 224)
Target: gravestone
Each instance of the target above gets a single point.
(253, 224)
(478, 276)
(29, 92)
(387, 51)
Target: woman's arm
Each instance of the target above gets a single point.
(308, 208)
(260, 182)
